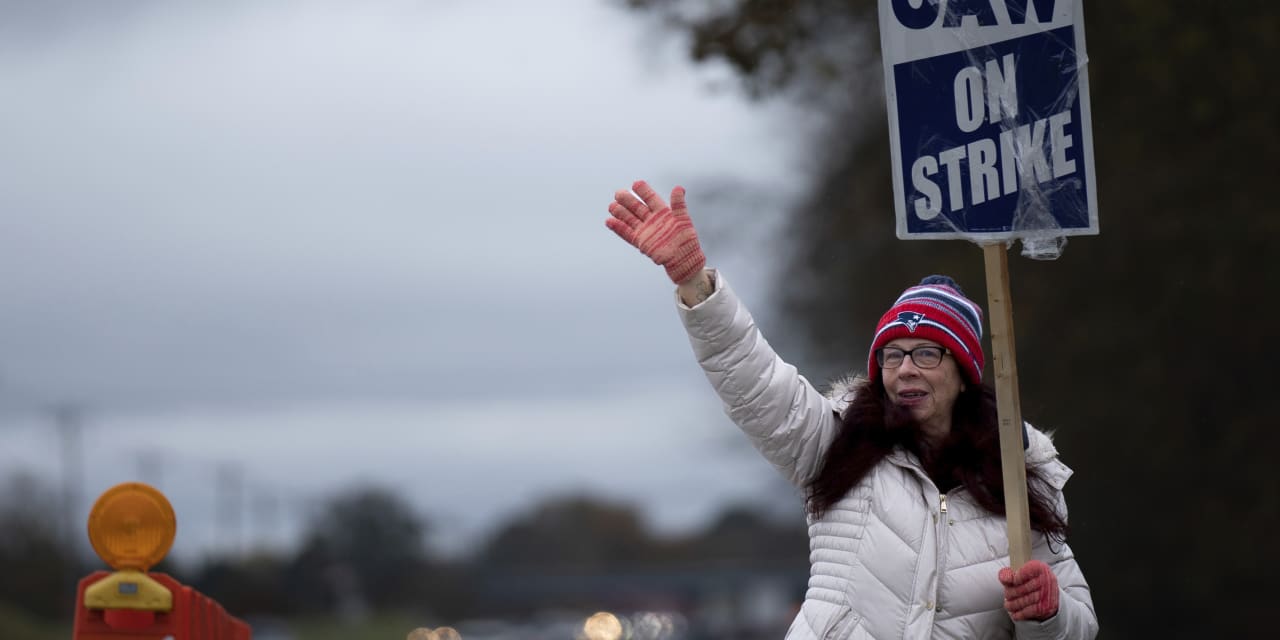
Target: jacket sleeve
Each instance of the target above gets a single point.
(787, 420)
(1076, 619)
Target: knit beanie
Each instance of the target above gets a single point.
(935, 310)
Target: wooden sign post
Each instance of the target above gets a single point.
(1008, 408)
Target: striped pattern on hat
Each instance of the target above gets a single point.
(935, 310)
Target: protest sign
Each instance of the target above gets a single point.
(989, 123)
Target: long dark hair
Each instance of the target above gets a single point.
(872, 427)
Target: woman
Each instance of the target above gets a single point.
(901, 467)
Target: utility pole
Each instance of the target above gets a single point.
(228, 507)
(68, 418)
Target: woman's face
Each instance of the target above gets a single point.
(929, 394)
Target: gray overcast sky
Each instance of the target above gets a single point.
(333, 241)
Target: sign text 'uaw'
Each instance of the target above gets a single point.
(989, 118)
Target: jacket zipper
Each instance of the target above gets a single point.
(942, 545)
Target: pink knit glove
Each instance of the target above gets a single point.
(663, 233)
(1030, 593)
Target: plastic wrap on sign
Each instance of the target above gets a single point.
(989, 121)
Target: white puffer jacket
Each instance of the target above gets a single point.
(894, 558)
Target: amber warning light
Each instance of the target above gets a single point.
(131, 527)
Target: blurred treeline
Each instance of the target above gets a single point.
(1150, 349)
(364, 554)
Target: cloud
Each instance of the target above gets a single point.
(310, 244)
(243, 202)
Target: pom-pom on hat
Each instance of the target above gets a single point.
(936, 310)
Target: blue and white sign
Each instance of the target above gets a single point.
(989, 118)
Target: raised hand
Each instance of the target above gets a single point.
(664, 233)
(1030, 593)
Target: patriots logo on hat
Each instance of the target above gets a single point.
(911, 319)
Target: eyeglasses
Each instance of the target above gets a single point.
(925, 356)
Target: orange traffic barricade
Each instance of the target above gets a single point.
(131, 527)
